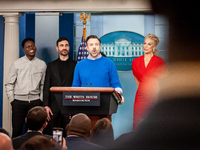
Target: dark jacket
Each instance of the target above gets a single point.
(18, 141)
(52, 79)
(76, 143)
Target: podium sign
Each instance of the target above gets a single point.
(107, 103)
(81, 98)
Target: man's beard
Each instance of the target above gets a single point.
(94, 56)
(64, 54)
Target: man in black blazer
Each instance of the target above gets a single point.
(59, 73)
(78, 133)
(36, 122)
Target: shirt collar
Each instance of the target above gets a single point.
(63, 60)
(28, 59)
(34, 131)
(95, 58)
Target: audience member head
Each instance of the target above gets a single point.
(184, 33)
(102, 132)
(4, 131)
(36, 118)
(79, 125)
(40, 142)
(5, 142)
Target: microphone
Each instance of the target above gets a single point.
(85, 84)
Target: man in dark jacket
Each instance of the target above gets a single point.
(36, 122)
(59, 73)
(78, 133)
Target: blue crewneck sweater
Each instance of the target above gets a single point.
(100, 72)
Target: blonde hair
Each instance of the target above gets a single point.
(155, 39)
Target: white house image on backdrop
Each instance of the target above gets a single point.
(122, 48)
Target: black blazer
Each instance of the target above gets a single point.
(52, 78)
(18, 141)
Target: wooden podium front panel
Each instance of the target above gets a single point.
(108, 106)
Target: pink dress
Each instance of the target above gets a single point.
(148, 78)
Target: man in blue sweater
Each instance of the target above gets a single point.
(96, 70)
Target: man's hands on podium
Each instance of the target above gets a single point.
(49, 112)
(122, 101)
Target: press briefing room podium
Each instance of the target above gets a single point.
(96, 102)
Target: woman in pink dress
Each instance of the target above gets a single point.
(147, 70)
